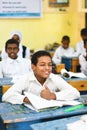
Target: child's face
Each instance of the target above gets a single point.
(12, 50)
(65, 44)
(43, 68)
(84, 37)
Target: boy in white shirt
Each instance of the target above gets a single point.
(63, 50)
(23, 50)
(14, 66)
(41, 82)
(80, 45)
(83, 59)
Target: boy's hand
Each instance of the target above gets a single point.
(26, 100)
(47, 94)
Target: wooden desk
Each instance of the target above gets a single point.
(51, 53)
(59, 67)
(75, 64)
(71, 63)
(5, 88)
(60, 124)
(79, 83)
(19, 117)
(5, 83)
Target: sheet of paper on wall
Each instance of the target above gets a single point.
(68, 74)
(41, 104)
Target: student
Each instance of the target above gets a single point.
(23, 50)
(41, 82)
(83, 59)
(80, 45)
(63, 50)
(14, 66)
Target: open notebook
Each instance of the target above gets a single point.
(41, 104)
(68, 74)
(80, 124)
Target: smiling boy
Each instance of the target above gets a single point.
(41, 82)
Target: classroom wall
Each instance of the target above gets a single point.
(50, 28)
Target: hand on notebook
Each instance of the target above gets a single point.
(47, 94)
(26, 100)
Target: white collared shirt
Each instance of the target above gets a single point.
(29, 83)
(14, 67)
(83, 63)
(80, 48)
(60, 51)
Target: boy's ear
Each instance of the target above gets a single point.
(33, 66)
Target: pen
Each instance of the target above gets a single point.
(74, 108)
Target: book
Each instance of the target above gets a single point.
(68, 74)
(80, 124)
(77, 125)
(38, 103)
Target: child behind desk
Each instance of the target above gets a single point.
(14, 66)
(83, 59)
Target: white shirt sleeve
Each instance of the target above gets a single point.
(56, 84)
(56, 57)
(1, 70)
(83, 63)
(79, 48)
(14, 93)
(66, 91)
(27, 53)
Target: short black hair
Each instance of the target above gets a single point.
(66, 38)
(84, 31)
(38, 54)
(11, 41)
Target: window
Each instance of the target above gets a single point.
(58, 3)
(82, 5)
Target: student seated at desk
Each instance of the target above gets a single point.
(80, 45)
(63, 50)
(41, 82)
(23, 50)
(14, 66)
(83, 59)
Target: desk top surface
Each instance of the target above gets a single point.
(19, 113)
(60, 124)
(5, 81)
(74, 78)
(8, 81)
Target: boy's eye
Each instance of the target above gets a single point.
(9, 48)
(45, 64)
(42, 64)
